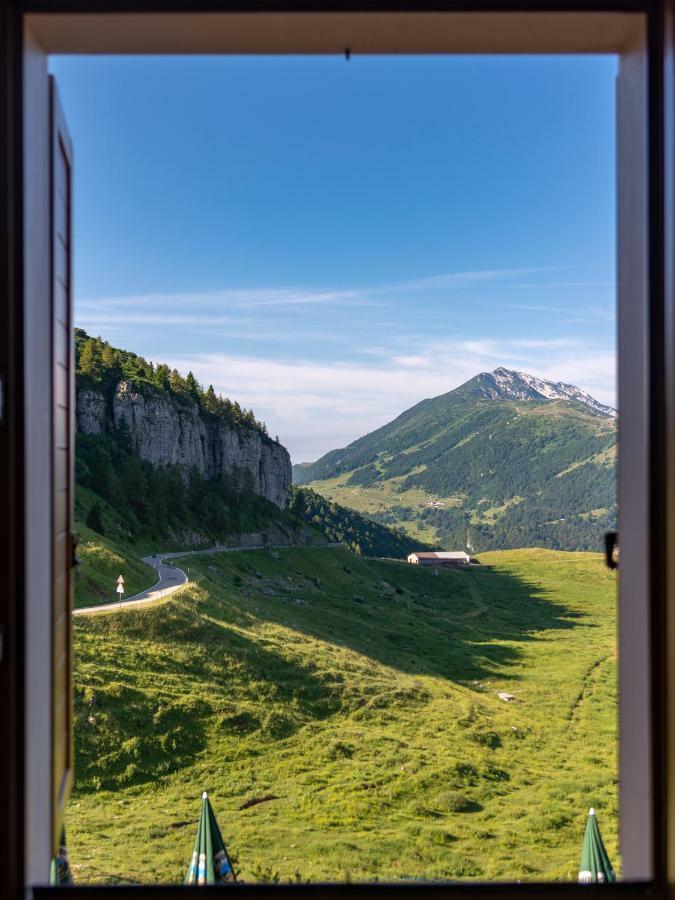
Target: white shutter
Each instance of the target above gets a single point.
(63, 458)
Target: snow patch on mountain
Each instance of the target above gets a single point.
(508, 384)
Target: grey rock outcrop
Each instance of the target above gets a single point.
(91, 412)
(167, 430)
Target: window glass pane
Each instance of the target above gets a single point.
(347, 427)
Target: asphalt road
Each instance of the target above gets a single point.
(170, 578)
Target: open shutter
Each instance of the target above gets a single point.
(63, 463)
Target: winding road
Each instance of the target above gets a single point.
(170, 577)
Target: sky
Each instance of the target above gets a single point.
(329, 242)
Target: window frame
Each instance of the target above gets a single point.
(660, 540)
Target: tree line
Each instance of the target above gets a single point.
(346, 526)
(104, 366)
(162, 502)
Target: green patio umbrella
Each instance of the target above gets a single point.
(60, 868)
(210, 863)
(595, 865)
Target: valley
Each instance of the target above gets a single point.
(343, 714)
(344, 710)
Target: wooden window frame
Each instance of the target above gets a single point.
(76, 26)
(63, 430)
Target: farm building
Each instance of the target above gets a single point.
(452, 558)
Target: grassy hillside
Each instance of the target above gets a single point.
(105, 556)
(113, 549)
(343, 714)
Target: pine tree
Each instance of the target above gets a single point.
(176, 489)
(210, 400)
(143, 369)
(176, 382)
(123, 436)
(160, 501)
(90, 359)
(135, 487)
(102, 481)
(192, 386)
(94, 518)
(196, 492)
(162, 377)
(299, 504)
(110, 362)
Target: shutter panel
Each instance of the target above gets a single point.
(63, 464)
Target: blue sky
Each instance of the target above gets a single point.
(329, 242)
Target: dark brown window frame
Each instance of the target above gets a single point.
(661, 391)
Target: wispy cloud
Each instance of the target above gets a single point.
(324, 365)
(260, 298)
(236, 298)
(563, 284)
(106, 319)
(455, 279)
(315, 407)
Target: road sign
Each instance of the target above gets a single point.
(120, 579)
(120, 588)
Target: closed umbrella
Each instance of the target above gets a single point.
(60, 868)
(210, 863)
(595, 865)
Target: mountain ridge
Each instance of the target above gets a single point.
(503, 383)
(507, 457)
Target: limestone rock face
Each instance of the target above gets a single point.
(91, 412)
(167, 430)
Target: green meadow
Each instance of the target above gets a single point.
(343, 714)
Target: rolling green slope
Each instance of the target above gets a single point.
(507, 471)
(343, 713)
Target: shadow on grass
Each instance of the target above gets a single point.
(158, 681)
(148, 688)
(461, 625)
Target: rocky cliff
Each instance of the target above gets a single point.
(168, 430)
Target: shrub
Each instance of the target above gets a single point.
(340, 750)
(466, 771)
(488, 739)
(453, 802)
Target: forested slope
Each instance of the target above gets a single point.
(490, 464)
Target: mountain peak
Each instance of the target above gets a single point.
(509, 384)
